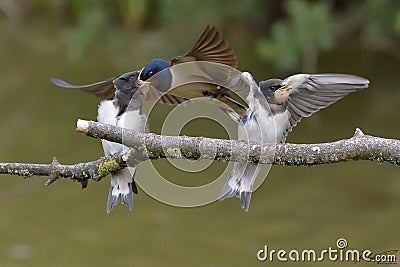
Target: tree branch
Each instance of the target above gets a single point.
(152, 146)
(78, 172)
(358, 147)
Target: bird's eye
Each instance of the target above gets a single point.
(275, 87)
(151, 73)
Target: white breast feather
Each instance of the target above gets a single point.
(265, 128)
(134, 119)
(107, 112)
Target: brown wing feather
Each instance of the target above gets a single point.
(151, 94)
(104, 89)
(210, 47)
(171, 100)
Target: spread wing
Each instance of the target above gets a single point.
(200, 79)
(190, 81)
(152, 95)
(210, 47)
(105, 90)
(312, 92)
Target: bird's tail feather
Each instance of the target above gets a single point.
(113, 200)
(230, 189)
(121, 189)
(240, 184)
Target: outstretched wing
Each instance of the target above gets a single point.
(104, 89)
(150, 94)
(312, 92)
(210, 47)
(187, 81)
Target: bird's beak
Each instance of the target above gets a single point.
(282, 94)
(140, 82)
(285, 88)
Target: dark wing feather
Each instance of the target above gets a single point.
(210, 47)
(171, 100)
(151, 94)
(104, 89)
(317, 91)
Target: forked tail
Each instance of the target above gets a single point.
(121, 189)
(240, 184)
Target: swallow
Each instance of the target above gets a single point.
(107, 90)
(124, 110)
(210, 47)
(275, 107)
(121, 106)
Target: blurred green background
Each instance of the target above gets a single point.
(295, 208)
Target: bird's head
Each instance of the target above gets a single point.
(152, 67)
(126, 89)
(275, 91)
(126, 85)
(127, 82)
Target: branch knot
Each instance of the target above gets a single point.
(358, 133)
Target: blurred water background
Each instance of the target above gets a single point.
(296, 207)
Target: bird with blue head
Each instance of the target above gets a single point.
(118, 92)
